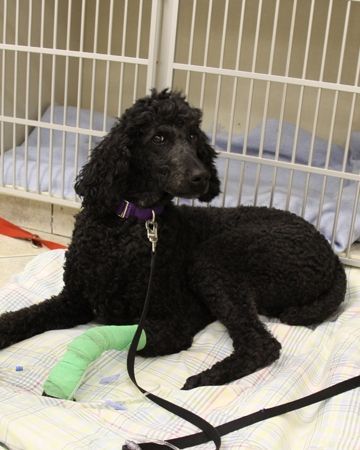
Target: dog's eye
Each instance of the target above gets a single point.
(192, 136)
(158, 139)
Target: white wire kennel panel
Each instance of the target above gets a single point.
(67, 68)
(278, 81)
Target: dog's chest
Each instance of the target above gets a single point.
(117, 270)
(130, 257)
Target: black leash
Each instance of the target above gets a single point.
(264, 414)
(209, 432)
(207, 429)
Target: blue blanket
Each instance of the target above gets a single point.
(263, 185)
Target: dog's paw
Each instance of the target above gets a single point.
(191, 383)
(201, 379)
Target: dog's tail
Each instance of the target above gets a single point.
(323, 307)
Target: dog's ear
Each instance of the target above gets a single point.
(103, 179)
(208, 155)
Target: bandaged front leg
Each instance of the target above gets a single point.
(67, 375)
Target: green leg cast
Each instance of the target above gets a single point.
(66, 376)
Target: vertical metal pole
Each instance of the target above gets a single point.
(52, 101)
(300, 103)
(41, 64)
(15, 89)
(123, 48)
(266, 102)
(283, 99)
(233, 101)
(27, 94)
(218, 91)
(138, 39)
(79, 88)
(206, 52)
(164, 73)
(333, 115)
(66, 87)
(107, 67)
(250, 95)
(191, 46)
(93, 69)
(2, 106)
(317, 106)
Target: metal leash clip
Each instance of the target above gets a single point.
(152, 231)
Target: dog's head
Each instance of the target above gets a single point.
(155, 152)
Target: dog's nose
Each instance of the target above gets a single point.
(199, 177)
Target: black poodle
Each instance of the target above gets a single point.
(226, 264)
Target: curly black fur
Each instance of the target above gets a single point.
(212, 263)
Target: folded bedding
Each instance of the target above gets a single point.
(109, 410)
(242, 182)
(249, 183)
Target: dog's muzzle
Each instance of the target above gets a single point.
(192, 185)
(199, 181)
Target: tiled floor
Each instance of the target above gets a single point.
(15, 254)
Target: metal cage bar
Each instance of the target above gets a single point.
(27, 92)
(138, 36)
(250, 96)
(206, 52)
(66, 86)
(283, 98)
(121, 80)
(107, 67)
(41, 68)
(233, 102)
(334, 110)
(266, 102)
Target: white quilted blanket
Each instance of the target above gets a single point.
(109, 410)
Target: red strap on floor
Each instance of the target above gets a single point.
(9, 229)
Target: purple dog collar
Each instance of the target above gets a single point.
(127, 209)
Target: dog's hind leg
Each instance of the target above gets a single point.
(322, 307)
(239, 364)
(58, 312)
(232, 301)
(254, 346)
